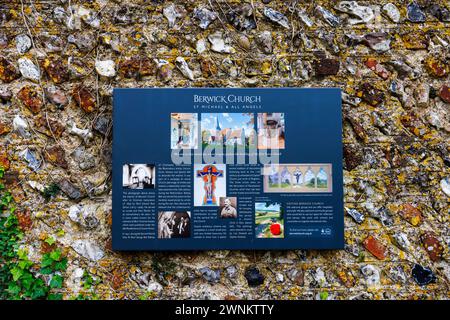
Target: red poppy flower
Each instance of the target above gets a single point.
(275, 229)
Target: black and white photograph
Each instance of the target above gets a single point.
(138, 176)
(174, 224)
(227, 207)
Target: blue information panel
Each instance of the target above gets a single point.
(202, 169)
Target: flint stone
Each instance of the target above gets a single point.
(69, 189)
(445, 186)
(392, 12)
(88, 250)
(422, 275)
(56, 96)
(171, 13)
(205, 16)
(29, 157)
(85, 42)
(184, 68)
(242, 17)
(5, 93)
(371, 274)
(439, 12)
(364, 14)
(254, 277)
(84, 215)
(414, 13)
(85, 159)
(21, 126)
(106, 68)
(231, 271)
(264, 39)
(330, 18)
(355, 214)
(218, 43)
(28, 69)
(296, 276)
(101, 125)
(210, 275)
(23, 43)
(276, 17)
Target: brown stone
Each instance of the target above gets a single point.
(411, 214)
(370, 94)
(56, 96)
(56, 70)
(4, 128)
(347, 278)
(24, 219)
(432, 246)
(416, 40)
(435, 67)
(444, 93)
(413, 123)
(377, 68)
(49, 126)
(352, 157)
(375, 247)
(208, 67)
(326, 67)
(57, 156)
(31, 98)
(137, 67)
(8, 72)
(84, 98)
(358, 128)
(4, 160)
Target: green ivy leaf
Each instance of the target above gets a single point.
(50, 240)
(56, 281)
(16, 273)
(55, 255)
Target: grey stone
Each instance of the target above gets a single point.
(401, 240)
(28, 69)
(23, 43)
(276, 17)
(205, 16)
(69, 189)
